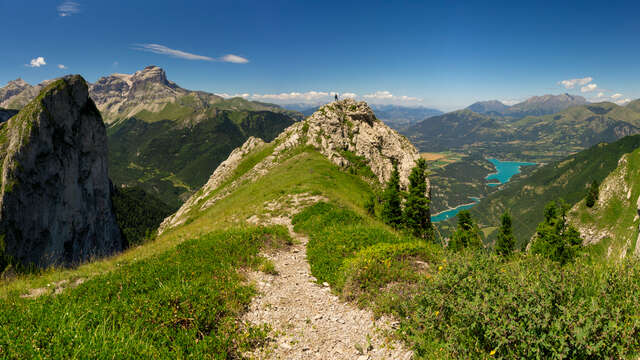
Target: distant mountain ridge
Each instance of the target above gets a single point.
(163, 138)
(143, 94)
(533, 106)
(539, 138)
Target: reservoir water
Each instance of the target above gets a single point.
(504, 171)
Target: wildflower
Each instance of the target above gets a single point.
(440, 268)
(437, 313)
(493, 352)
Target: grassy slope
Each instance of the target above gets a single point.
(526, 196)
(171, 161)
(450, 305)
(615, 214)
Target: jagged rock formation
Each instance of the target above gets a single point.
(147, 94)
(340, 131)
(18, 93)
(148, 91)
(55, 197)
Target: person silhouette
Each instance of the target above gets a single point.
(336, 95)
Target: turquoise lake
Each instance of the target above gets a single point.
(504, 171)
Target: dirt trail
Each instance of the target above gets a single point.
(307, 320)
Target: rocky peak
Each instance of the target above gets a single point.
(339, 130)
(55, 195)
(150, 74)
(350, 126)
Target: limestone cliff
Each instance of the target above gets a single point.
(55, 195)
(340, 131)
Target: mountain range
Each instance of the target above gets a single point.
(538, 138)
(533, 106)
(164, 138)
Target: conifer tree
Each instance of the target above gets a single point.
(392, 200)
(593, 193)
(467, 233)
(555, 238)
(505, 242)
(416, 209)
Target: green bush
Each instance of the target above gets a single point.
(337, 234)
(530, 308)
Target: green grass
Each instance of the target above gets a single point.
(178, 304)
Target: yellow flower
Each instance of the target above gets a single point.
(440, 268)
(493, 352)
(437, 312)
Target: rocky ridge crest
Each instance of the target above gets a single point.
(339, 130)
(55, 195)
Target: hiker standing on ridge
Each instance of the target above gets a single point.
(336, 95)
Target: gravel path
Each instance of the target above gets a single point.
(307, 320)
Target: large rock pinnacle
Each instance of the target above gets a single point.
(55, 197)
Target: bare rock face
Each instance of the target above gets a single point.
(338, 130)
(18, 93)
(348, 125)
(55, 197)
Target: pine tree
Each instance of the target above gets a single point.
(555, 238)
(392, 200)
(505, 242)
(467, 233)
(416, 210)
(593, 193)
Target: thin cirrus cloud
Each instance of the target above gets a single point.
(68, 8)
(62, 67)
(37, 62)
(163, 50)
(571, 83)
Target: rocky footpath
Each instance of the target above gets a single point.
(306, 320)
(340, 130)
(55, 195)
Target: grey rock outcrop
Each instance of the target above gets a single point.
(18, 93)
(339, 130)
(55, 197)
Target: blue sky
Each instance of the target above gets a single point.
(444, 54)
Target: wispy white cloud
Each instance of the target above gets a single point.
(571, 83)
(227, 96)
(233, 59)
(68, 8)
(600, 95)
(37, 62)
(388, 96)
(62, 67)
(617, 95)
(163, 50)
(588, 88)
(306, 97)
(622, 101)
(348, 95)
